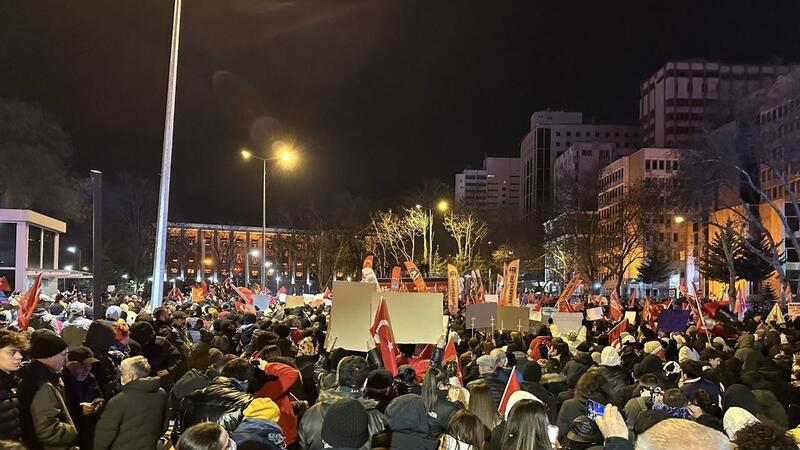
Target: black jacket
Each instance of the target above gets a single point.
(100, 338)
(495, 385)
(222, 402)
(309, 430)
(443, 411)
(408, 426)
(617, 378)
(164, 356)
(547, 397)
(9, 407)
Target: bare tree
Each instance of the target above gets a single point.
(135, 201)
(467, 230)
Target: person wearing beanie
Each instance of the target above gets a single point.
(100, 337)
(531, 377)
(259, 429)
(351, 373)
(346, 425)
(284, 342)
(379, 388)
(166, 362)
(44, 418)
(486, 368)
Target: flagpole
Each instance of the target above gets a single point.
(157, 289)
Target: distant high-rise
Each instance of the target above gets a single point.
(552, 133)
(684, 97)
(491, 191)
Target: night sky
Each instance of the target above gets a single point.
(378, 94)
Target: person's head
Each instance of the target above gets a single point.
(593, 385)
(526, 428)
(269, 352)
(434, 380)
(691, 369)
(205, 436)
(763, 435)
(12, 344)
(345, 425)
(238, 368)
(486, 364)
(161, 314)
(179, 319)
(675, 398)
(753, 380)
(49, 349)
(481, 403)
(450, 368)
(712, 356)
(79, 362)
(501, 359)
(682, 434)
(468, 428)
(352, 372)
(133, 368)
(583, 432)
(379, 382)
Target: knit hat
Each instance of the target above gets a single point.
(283, 331)
(345, 424)
(262, 408)
(651, 347)
(532, 372)
(56, 309)
(609, 357)
(113, 312)
(379, 379)
(46, 344)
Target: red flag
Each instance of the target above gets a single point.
(204, 287)
(615, 307)
(450, 354)
(533, 351)
(367, 262)
(395, 284)
(511, 387)
(615, 333)
(4, 286)
(28, 303)
(327, 294)
(381, 330)
(283, 290)
(243, 292)
(632, 298)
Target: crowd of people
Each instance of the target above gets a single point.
(214, 375)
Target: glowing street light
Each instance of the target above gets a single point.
(680, 219)
(69, 267)
(254, 252)
(246, 154)
(442, 206)
(125, 276)
(85, 268)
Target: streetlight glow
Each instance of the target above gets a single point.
(254, 252)
(442, 206)
(124, 276)
(680, 219)
(68, 267)
(246, 154)
(72, 249)
(85, 268)
(268, 264)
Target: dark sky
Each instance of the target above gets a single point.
(378, 94)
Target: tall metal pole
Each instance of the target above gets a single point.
(263, 269)
(97, 243)
(157, 290)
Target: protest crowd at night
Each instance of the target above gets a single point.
(217, 368)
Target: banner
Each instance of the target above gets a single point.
(498, 288)
(479, 316)
(416, 317)
(395, 284)
(794, 310)
(567, 321)
(673, 320)
(563, 299)
(295, 301)
(368, 276)
(368, 262)
(452, 289)
(416, 277)
(351, 315)
(513, 318)
(594, 313)
(775, 315)
(510, 282)
(477, 283)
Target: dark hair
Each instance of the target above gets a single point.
(13, 339)
(482, 403)
(692, 369)
(763, 435)
(352, 372)
(752, 379)
(202, 436)
(269, 351)
(450, 368)
(593, 385)
(675, 398)
(526, 428)
(710, 353)
(430, 386)
(238, 368)
(468, 428)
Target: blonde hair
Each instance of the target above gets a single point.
(136, 366)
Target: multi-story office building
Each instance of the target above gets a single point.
(551, 134)
(683, 98)
(492, 191)
(576, 174)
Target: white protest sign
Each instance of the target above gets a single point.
(568, 321)
(490, 298)
(536, 316)
(631, 316)
(594, 313)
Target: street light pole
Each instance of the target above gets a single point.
(157, 289)
(263, 269)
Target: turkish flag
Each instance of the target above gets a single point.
(4, 286)
(381, 331)
(511, 387)
(28, 303)
(615, 307)
(450, 354)
(615, 333)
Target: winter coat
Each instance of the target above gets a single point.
(200, 356)
(749, 356)
(769, 408)
(9, 407)
(134, 419)
(539, 391)
(495, 385)
(77, 392)
(43, 320)
(278, 390)
(222, 402)
(408, 426)
(46, 423)
(99, 339)
(439, 417)
(161, 355)
(571, 409)
(263, 434)
(309, 431)
(690, 388)
(617, 379)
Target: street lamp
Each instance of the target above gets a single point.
(285, 156)
(73, 249)
(679, 219)
(124, 276)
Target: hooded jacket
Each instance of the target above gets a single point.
(309, 431)
(159, 353)
(134, 419)
(99, 338)
(221, 402)
(443, 411)
(408, 425)
(749, 356)
(277, 390)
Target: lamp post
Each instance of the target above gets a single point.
(286, 157)
(442, 206)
